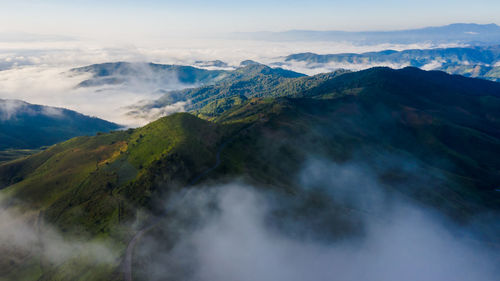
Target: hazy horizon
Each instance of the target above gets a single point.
(127, 21)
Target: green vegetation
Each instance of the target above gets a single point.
(12, 154)
(271, 122)
(89, 186)
(250, 81)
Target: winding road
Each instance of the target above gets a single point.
(127, 262)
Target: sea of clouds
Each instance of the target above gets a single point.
(38, 71)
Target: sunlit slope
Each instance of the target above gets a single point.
(89, 186)
(91, 173)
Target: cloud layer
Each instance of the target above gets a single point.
(243, 233)
(38, 71)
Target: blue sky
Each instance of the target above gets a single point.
(158, 18)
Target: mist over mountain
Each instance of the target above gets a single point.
(481, 62)
(51, 66)
(102, 90)
(380, 166)
(465, 33)
(251, 79)
(163, 76)
(213, 63)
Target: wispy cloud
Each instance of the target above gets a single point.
(27, 236)
(10, 109)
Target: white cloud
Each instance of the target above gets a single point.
(148, 114)
(433, 65)
(37, 71)
(52, 111)
(238, 242)
(9, 108)
(54, 86)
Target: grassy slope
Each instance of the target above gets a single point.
(82, 166)
(88, 184)
(13, 154)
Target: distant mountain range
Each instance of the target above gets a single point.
(481, 62)
(188, 88)
(478, 61)
(25, 126)
(454, 33)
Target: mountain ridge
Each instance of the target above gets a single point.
(472, 33)
(426, 135)
(116, 73)
(27, 126)
(477, 62)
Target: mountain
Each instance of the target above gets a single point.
(422, 113)
(454, 33)
(27, 126)
(251, 80)
(488, 55)
(481, 62)
(428, 136)
(120, 73)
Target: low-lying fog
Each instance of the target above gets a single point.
(240, 232)
(38, 72)
(235, 231)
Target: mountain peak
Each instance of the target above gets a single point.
(249, 62)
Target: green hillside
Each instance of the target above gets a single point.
(446, 127)
(90, 185)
